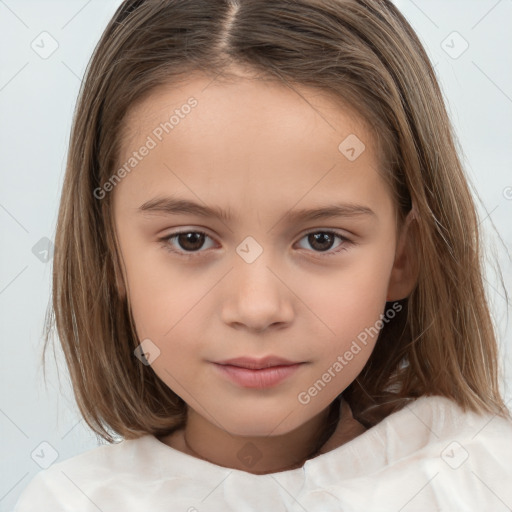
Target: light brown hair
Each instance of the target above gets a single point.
(362, 51)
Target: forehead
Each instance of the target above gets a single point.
(246, 139)
(253, 101)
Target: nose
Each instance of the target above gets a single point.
(256, 297)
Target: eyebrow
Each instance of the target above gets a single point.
(175, 206)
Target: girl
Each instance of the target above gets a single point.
(267, 279)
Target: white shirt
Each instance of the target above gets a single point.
(429, 456)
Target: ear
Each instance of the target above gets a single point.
(404, 274)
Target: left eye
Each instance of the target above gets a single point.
(190, 242)
(323, 240)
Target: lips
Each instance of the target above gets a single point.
(257, 373)
(257, 364)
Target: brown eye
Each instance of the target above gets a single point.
(185, 242)
(323, 241)
(192, 241)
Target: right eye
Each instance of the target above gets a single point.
(190, 241)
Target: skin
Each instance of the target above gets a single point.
(259, 150)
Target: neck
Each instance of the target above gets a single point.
(257, 455)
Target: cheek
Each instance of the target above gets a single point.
(166, 306)
(160, 293)
(349, 302)
(351, 296)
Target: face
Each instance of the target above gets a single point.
(263, 278)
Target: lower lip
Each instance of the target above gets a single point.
(258, 379)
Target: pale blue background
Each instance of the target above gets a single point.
(37, 98)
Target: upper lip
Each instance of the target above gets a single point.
(257, 364)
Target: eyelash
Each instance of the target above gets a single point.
(342, 247)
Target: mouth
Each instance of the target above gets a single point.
(257, 373)
(252, 363)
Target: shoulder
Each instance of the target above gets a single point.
(438, 428)
(429, 423)
(463, 458)
(440, 419)
(69, 485)
(429, 455)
